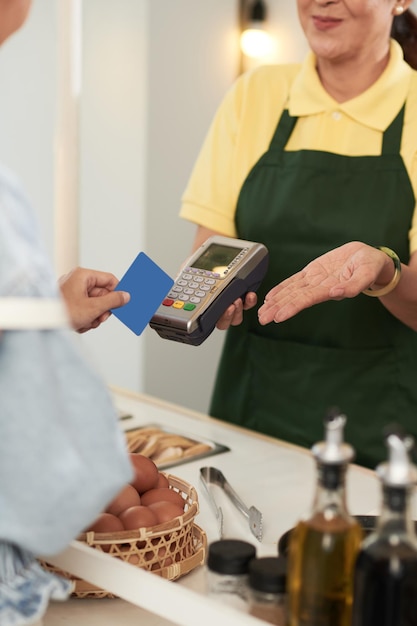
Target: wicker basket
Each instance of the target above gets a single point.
(170, 550)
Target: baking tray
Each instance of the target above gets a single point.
(211, 447)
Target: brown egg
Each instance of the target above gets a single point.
(164, 494)
(165, 562)
(133, 558)
(162, 481)
(146, 472)
(138, 517)
(106, 523)
(166, 511)
(162, 563)
(126, 498)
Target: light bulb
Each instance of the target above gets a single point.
(255, 42)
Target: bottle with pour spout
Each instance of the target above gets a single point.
(323, 548)
(385, 582)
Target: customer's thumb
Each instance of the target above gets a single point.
(116, 299)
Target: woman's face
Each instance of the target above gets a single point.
(339, 30)
(13, 14)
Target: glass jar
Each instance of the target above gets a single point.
(267, 589)
(227, 571)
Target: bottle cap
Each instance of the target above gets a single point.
(268, 574)
(398, 471)
(333, 450)
(230, 556)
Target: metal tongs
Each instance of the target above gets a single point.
(212, 475)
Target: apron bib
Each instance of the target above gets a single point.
(281, 379)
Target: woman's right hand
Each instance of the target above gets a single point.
(233, 315)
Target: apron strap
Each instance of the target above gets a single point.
(391, 142)
(283, 131)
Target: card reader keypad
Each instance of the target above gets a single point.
(191, 288)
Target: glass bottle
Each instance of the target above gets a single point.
(227, 571)
(267, 589)
(385, 582)
(324, 547)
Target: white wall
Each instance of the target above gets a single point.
(27, 109)
(113, 164)
(153, 74)
(192, 62)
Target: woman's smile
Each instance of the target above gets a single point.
(322, 22)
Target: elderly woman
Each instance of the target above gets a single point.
(308, 158)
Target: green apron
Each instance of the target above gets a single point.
(281, 379)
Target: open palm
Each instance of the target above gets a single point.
(341, 273)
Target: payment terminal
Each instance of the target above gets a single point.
(220, 271)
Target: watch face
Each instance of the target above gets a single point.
(216, 258)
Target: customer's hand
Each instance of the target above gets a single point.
(341, 273)
(89, 296)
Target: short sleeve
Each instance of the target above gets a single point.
(238, 136)
(210, 196)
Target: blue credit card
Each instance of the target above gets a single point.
(148, 285)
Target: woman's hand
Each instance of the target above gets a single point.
(233, 315)
(341, 273)
(89, 296)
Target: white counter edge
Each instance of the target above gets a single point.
(140, 588)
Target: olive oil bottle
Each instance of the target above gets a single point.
(385, 582)
(324, 547)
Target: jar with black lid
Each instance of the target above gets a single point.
(267, 589)
(227, 571)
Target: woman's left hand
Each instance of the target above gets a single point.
(341, 273)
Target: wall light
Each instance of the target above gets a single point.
(255, 41)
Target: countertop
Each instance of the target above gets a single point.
(276, 477)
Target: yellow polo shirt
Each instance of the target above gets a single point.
(245, 122)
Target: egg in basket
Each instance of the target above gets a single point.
(149, 524)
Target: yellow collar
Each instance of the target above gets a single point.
(373, 108)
